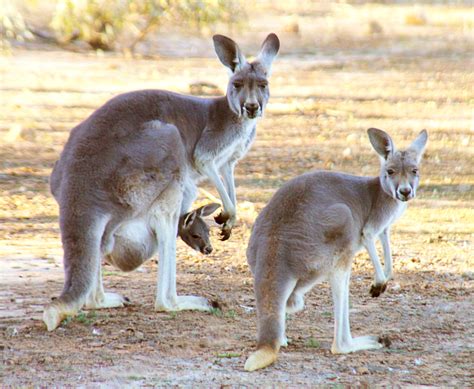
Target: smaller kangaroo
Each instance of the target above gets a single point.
(135, 243)
(310, 231)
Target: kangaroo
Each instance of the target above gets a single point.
(139, 158)
(310, 231)
(135, 242)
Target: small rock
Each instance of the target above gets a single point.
(202, 88)
(385, 340)
(362, 370)
(418, 362)
(12, 331)
(469, 275)
(375, 28)
(292, 27)
(48, 360)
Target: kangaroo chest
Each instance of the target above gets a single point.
(238, 144)
(224, 146)
(381, 221)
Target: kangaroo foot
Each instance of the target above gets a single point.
(377, 289)
(261, 358)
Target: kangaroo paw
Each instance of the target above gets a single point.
(261, 358)
(222, 218)
(225, 233)
(56, 312)
(377, 289)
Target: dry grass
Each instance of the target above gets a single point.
(321, 106)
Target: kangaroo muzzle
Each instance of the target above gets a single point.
(252, 110)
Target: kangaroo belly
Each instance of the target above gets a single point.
(134, 243)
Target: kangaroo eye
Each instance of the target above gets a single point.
(415, 171)
(390, 172)
(195, 236)
(237, 84)
(262, 85)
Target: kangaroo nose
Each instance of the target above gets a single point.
(207, 250)
(405, 192)
(251, 109)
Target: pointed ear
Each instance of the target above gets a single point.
(268, 52)
(208, 209)
(229, 53)
(188, 219)
(381, 142)
(419, 144)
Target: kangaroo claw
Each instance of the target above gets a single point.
(222, 218)
(225, 234)
(377, 289)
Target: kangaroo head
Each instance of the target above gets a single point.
(194, 231)
(247, 91)
(399, 173)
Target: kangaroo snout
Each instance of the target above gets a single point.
(206, 250)
(404, 194)
(252, 109)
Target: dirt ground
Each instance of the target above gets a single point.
(324, 97)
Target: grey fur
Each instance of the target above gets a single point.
(310, 231)
(138, 159)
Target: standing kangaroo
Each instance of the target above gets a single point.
(138, 158)
(310, 231)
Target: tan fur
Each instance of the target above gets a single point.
(261, 358)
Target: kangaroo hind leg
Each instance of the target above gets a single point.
(343, 341)
(272, 299)
(166, 296)
(81, 238)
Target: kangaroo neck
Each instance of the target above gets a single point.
(383, 207)
(220, 108)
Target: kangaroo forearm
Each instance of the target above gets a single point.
(371, 249)
(211, 172)
(387, 254)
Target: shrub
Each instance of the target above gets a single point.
(101, 23)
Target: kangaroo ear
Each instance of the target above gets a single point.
(381, 142)
(188, 219)
(419, 144)
(208, 209)
(229, 53)
(268, 52)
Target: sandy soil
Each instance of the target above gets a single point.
(321, 105)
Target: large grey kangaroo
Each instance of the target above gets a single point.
(138, 159)
(310, 231)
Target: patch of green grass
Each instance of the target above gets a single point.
(216, 312)
(326, 314)
(86, 318)
(394, 351)
(313, 343)
(111, 273)
(231, 314)
(228, 355)
(135, 378)
(67, 320)
(171, 315)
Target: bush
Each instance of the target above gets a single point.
(102, 23)
(12, 25)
